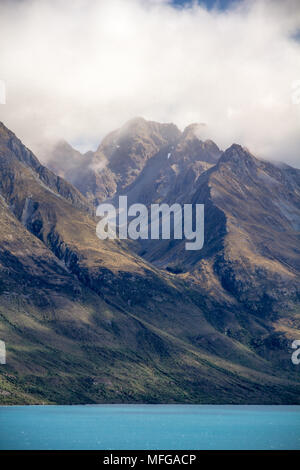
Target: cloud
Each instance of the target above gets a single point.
(77, 69)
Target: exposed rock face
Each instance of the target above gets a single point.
(260, 261)
(251, 229)
(128, 149)
(191, 148)
(88, 321)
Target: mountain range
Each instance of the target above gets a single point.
(113, 321)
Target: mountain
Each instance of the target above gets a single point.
(134, 151)
(20, 162)
(252, 229)
(90, 321)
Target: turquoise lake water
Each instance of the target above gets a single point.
(173, 427)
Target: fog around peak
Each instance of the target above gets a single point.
(76, 70)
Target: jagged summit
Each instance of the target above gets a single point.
(238, 156)
(193, 130)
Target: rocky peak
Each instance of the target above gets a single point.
(238, 155)
(191, 148)
(127, 150)
(4, 132)
(193, 131)
(140, 130)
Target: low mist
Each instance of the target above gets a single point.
(76, 70)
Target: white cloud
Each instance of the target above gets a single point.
(77, 69)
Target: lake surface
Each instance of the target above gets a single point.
(171, 427)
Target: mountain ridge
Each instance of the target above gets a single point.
(90, 321)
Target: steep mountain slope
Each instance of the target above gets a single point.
(64, 342)
(261, 261)
(18, 158)
(251, 248)
(86, 320)
(252, 227)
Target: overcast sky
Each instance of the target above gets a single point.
(77, 69)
